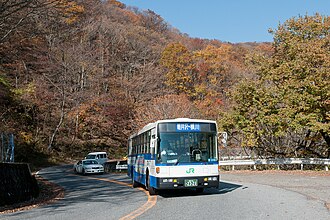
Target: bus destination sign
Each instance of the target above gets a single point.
(188, 127)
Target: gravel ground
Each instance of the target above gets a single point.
(313, 184)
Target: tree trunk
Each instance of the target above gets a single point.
(51, 140)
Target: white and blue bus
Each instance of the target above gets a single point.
(174, 154)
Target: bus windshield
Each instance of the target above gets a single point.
(187, 147)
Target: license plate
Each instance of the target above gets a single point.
(190, 183)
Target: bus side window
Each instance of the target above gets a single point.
(148, 141)
(145, 143)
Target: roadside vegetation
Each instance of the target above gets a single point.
(81, 76)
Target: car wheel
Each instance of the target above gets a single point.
(83, 172)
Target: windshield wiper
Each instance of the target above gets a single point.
(178, 160)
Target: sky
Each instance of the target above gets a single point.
(230, 20)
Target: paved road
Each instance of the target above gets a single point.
(84, 198)
(238, 200)
(109, 198)
(314, 185)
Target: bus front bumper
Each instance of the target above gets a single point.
(188, 182)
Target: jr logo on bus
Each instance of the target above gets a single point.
(190, 170)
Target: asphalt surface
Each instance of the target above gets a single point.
(242, 195)
(244, 201)
(314, 185)
(84, 198)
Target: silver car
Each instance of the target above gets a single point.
(88, 166)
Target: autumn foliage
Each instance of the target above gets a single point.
(284, 110)
(77, 76)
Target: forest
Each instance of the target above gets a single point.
(83, 75)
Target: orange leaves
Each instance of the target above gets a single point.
(212, 64)
(204, 74)
(99, 116)
(70, 10)
(179, 64)
(209, 106)
(116, 3)
(217, 58)
(198, 74)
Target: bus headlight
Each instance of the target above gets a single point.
(170, 180)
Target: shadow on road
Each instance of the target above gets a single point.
(84, 192)
(225, 187)
(90, 192)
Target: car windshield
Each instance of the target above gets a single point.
(87, 162)
(187, 147)
(90, 156)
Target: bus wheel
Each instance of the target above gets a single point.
(134, 183)
(152, 191)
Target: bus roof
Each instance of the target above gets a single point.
(186, 120)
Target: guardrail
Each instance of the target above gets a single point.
(277, 161)
(254, 162)
(121, 167)
(115, 165)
